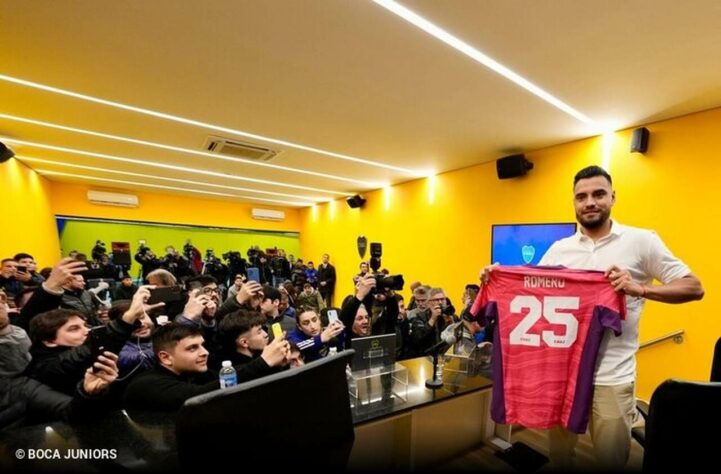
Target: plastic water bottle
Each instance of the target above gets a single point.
(228, 377)
(333, 350)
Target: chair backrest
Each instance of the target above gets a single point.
(297, 414)
(716, 363)
(679, 414)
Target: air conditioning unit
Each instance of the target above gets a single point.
(239, 149)
(113, 199)
(267, 214)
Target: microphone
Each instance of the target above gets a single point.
(447, 340)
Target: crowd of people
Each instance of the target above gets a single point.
(86, 350)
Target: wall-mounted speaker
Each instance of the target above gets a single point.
(355, 201)
(5, 153)
(513, 166)
(639, 140)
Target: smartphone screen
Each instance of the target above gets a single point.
(164, 294)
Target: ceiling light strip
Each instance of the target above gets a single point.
(165, 166)
(197, 123)
(459, 45)
(185, 150)
(160, 186)
(32, 159)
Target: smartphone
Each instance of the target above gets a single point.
(277, 330)
(22, 268)
(253, 274)
(332, 316)
(165, 294)
(98, 341)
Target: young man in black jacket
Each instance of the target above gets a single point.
(182, 370)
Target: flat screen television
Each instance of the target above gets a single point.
(525, 244)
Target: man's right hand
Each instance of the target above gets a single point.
(364, 286)
(247, 291)
(63, 273)
(139, 306)
(485, 274)
(275, 353)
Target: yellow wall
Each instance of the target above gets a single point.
(28, 224)
(439, 232)
(71, 200)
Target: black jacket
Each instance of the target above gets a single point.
(62, 367)
(24, 401)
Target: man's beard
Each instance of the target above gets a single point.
(603, 216)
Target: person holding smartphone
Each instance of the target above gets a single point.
(62, 350)
(314, 341)
(26, 270)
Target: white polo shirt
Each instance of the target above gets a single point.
(645, 256)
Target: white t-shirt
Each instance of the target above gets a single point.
(645, 256)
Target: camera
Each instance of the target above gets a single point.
(231, 256)
(98, 250)
(388, 282)
(448, 310)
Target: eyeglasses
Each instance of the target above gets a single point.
(438, 300)
(208, 290)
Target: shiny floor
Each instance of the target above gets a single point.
(484, 459)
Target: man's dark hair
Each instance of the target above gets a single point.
(270, 293)
(591, 172)
(202, 280)
(235, 324)
(169, 335)
(20, 256)
(473, 286)
(44, 326)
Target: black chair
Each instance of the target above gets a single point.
(716, 362)
(639, 433)
(296, 416)
(680, 413)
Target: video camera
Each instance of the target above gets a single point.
(232, 256)
(98, 250)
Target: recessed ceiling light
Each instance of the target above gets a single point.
(197, 123)
(460, 45)
(166, 166)
(160, 186)
(185, 150)
(177, 180)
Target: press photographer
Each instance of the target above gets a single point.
(431, 319)
(236, 264)
(176, 264)
(147, 259)
(98, 250)
(214, 267)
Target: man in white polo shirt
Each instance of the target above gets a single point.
(632, 259)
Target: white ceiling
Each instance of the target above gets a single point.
(345, 76)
